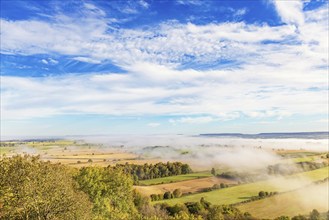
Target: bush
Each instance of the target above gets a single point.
(167, 195)
(299, 217)
(194, 207)
(177, 193)
(160, 196)
(282, 218)
(154, 197)
(174, 210)
(223, 185)
(261, 194)
(314, 215)
(216, 186)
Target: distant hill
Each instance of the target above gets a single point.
(300, 135)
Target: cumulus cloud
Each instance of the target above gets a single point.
(275, 67)
(291, 12)
(160, 90)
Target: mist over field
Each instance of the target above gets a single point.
(164, 109)
(185, 142)
(242, 154)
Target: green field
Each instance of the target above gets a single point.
(300, 202)
(49, 144)
(178, 178)
(5, 150)
(243, 192)
(303, 159)
(298, 154)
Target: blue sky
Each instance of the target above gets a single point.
(148, 67)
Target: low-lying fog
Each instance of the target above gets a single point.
(233, 152)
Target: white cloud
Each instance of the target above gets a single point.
(272, 80)
(291, 12)
(221, 94)
(194, 120)
(144, 4)
(240, 12)
(190, 2)
(52, 61)
(153, 124)
(49, 61)
(44, 61)
(169, 43)
(87, 60)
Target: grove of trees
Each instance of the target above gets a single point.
(31, 189)
(151, 171)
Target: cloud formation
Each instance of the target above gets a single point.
(201, 73)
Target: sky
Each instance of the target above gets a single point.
(163, 67)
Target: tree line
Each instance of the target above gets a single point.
(33, 189)
(151, 171)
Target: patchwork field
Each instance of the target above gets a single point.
(177, 178)
(74, 153)
(291, 203)
(296, 190)
(192, 186)
(243, 192)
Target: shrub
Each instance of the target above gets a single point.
(177, 193)
(167, 195)
(261, 194)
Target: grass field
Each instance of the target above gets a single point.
(243, 192)
(304, 159)
(291, 203)
(5, 150)
(50, 143)
(297, 153)
(171, 179)
(194, 185)
(70, 152)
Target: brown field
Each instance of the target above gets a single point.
(69, 154)
(195, 185)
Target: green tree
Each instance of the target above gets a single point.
(110, 190)
(215, 213)
(205, 203)
(183, 215)
(174, 210)
(282, 218)
(314, 215)
(194, 207)
(32, 189)
(299, 217)
(140, 200)
(213, 171)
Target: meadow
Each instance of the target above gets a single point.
(300, 201)
(177, 178)
(199, 184)
(244, 192)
